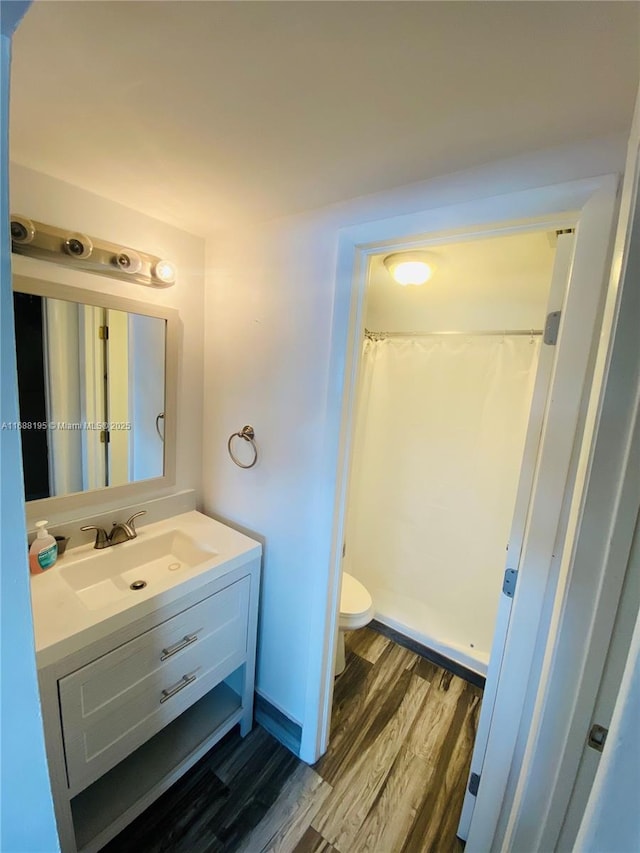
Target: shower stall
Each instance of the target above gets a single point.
(440, 429)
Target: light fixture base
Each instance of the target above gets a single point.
(49, 243)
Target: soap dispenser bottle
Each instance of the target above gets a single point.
(43, 551)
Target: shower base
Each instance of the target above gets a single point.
(455, 638)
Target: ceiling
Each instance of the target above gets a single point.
(488, 284)
(210, 114)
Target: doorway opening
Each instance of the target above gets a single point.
(445, 428)
(526, 633)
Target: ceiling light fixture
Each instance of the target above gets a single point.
(409, 267)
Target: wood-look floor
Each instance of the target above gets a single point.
(392, 780)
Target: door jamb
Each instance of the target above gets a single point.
(608, 494)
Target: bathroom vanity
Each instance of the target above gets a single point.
(139, 681)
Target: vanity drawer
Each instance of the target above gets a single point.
(112, 705)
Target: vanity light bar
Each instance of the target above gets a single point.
(48, 243)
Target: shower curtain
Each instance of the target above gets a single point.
(440, 430)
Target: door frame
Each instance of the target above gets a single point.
(532, 456)
(569, 204)
(601, 531)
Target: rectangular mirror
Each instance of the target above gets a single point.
(97, 408)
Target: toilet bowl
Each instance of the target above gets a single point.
(356, 611)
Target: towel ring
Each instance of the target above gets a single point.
(248, 433)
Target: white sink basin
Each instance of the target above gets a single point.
(87, 595)
(149, 563)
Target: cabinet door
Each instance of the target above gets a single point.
(112, 705)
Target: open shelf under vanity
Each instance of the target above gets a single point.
(115, 799)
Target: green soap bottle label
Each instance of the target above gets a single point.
(47, 557)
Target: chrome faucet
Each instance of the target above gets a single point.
(122, 531)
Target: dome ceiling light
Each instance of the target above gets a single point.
(410, 267)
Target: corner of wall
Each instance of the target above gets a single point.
(28, 821)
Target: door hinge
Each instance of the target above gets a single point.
(104, 436)
(509, 583)
(551, 328)
(474, 784)
(597, 737)
(103, 333)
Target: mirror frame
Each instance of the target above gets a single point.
(142, 489)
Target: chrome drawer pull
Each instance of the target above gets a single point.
(181, 644)
(171, 691)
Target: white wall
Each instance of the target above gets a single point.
(500, 282)
(26, 809)
(55, 202)
(268, 325)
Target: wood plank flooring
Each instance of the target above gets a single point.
(392, 780)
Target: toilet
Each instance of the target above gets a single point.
(356, 611)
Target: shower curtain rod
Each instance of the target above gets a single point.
(378, 336)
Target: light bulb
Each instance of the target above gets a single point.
(78, 246)
(128, 261)
(409, 268)
(165, 271)
(412, 272)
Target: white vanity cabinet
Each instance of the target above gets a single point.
(128, 714)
